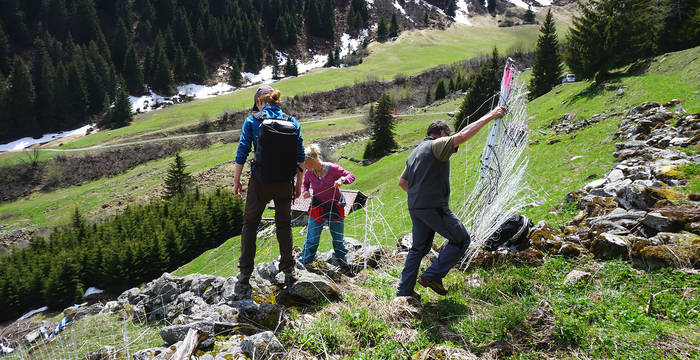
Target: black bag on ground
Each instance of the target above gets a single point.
(275, 158)
(511, 234)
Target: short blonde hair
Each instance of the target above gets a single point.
(313, 151)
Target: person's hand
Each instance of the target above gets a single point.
(339, 182)
(237, 187)
(306, 194)
(297, 190)
(498, 112)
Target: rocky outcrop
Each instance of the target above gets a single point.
(629, 213)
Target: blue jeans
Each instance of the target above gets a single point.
(426, 222)
(313, 236)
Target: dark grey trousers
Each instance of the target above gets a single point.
(426, 222)
(259, 194)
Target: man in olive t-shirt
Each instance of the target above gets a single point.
(426, 179)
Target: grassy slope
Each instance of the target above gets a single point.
(601, 318)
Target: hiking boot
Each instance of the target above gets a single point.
(435, 285)
(412, 294)
(345, 268)
(242, 290)
(290, 277)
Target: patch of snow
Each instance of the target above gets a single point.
(77, 306)
(35, 311)
(264, 76)
(462, 13)
(370, 3)
(92, 290)
(524, 5)
(317, 62)
(203, 92)
(5, 349)
(26, 142)
(349, 44)
(545, 2)
(149, 102)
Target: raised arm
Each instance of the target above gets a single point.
(472, 129)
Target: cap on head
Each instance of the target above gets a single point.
(262, 90)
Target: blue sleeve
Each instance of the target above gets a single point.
(301, 156)
(245, 142)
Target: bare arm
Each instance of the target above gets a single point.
(472, 129)
(403, 183)
(237, 170)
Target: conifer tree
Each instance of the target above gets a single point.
(170, 44)
(546, 67)
(491, 7)
(331, 59)
(57, 19)
(20, 100)
(183, 29)
(483, 86)
(394, 26)
(195, 64)
(275, 68)
(440, 91)
(120, 114)
(77, 103)
(120, 45)
(290, 68)
(451, 86)
(235, 78)
(336, 57)
(428, 98)
(163, 77)
(44, 79)
(180, 66)
(95, 88)
(5, 53)
(451, 9)
(382, 141)
(85, 24)
(255, 51)
(681, 25)
(133, 75)
(609, 34)
(529, 15)
(382, 32)
(177, 181)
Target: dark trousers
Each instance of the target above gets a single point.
(259, 195)
(426, 222)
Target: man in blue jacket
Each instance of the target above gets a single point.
(267, 106)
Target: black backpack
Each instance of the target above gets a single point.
(511, 234)
(275, 158)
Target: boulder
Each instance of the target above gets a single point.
(309, 289)
(233, 290)
(262, 346)
(608, 246)
(371, 255)
(678, 256)
(615, 175)
(595, 184)
(633, 196)
(405, 242)
(544, 237)
(174, 333)
(570, 249)
(659, 222)
(157, 353)
(575, 276)
(262, 315)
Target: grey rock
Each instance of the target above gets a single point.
(232, 353)
(205, 357)
(310, 288)
(32, 336)
(261, 315)
(131, 296)
(595, 184)
(174, 333)
(575, 276)
(610, 246)
(111, 307)
(262, 346)
(352, 244)
(615, 175)
(632, 144)
(200, 283)
(405, 242)
(658, 222)
(632, 197)
(157, 353)
(371, 255)
(232, 290)
(680, 141)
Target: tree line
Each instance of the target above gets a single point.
(134, 247)
(84, 52)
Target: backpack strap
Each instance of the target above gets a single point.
(260, 116)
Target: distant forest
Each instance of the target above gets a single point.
(63, 62)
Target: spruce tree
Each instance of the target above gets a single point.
(85, 24)
(180, 66)
(336, 58)
(177, 181)
(95, 88)
(680, 28)
(77, 104)
(331, 59)
(451, 86)
(483, 85)
(133, 75)
(546, 67)
(290, 67)
(5, 53)
(529, 15)
(44, 79)
(163, 77)
(235, 78)
(382, 141)
(20, 100)
(609, 34)
(275, 68)
(451, 9)
(197, 69)
(394, 27)
(255, 50)
(491, 7)
(120, 45)
(170, 44)
(440, 91)
(120, 114)
(382, 32)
